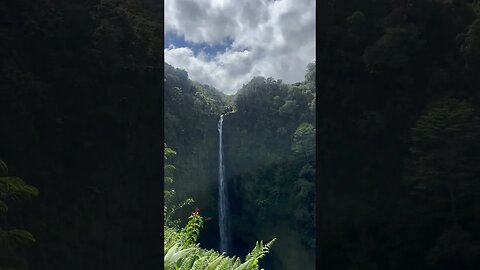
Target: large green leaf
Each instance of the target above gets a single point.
(215, 263)
(15, 238)
(15, 188)
(175, 253)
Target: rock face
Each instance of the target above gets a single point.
(196, 161)
(192, 112)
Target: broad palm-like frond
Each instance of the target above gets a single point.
(15, 188)
(14, 238)
(175, 253)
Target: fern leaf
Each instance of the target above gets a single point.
(215, 263)
(180, 254)
(174, 254)
(169, 167)
(244, 265)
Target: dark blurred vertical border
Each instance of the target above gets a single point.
(398, 134)
(81, 119)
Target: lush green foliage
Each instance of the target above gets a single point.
(269, 139)
(170, 204)
(181, 252)
(12, 240)
(270, 158)
(191, 115)
(303, 139)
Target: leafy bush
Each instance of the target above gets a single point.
(181, 251)
(12, 240)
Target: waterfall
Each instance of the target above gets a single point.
(223, 222)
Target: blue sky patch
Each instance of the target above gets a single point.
(180, 42)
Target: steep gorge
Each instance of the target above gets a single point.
(271, 180)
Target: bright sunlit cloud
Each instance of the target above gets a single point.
(225, 43)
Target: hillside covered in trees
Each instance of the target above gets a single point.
(269, 158)
(398, 135)
(397, 118)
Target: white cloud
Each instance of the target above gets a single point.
(269, 38)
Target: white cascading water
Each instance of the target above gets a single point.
(223, 221)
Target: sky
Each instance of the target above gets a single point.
(225, 43)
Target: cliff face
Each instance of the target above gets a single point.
(271, 186)
(192, 112)
(196, 163)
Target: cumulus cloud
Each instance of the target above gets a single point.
(267, 38)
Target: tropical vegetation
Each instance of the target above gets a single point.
(181, 250)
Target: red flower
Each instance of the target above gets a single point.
(196, 211)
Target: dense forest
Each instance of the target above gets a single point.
(398, 134)
(181, 248)
(269, 157)
(81, 120)
(397, 127)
